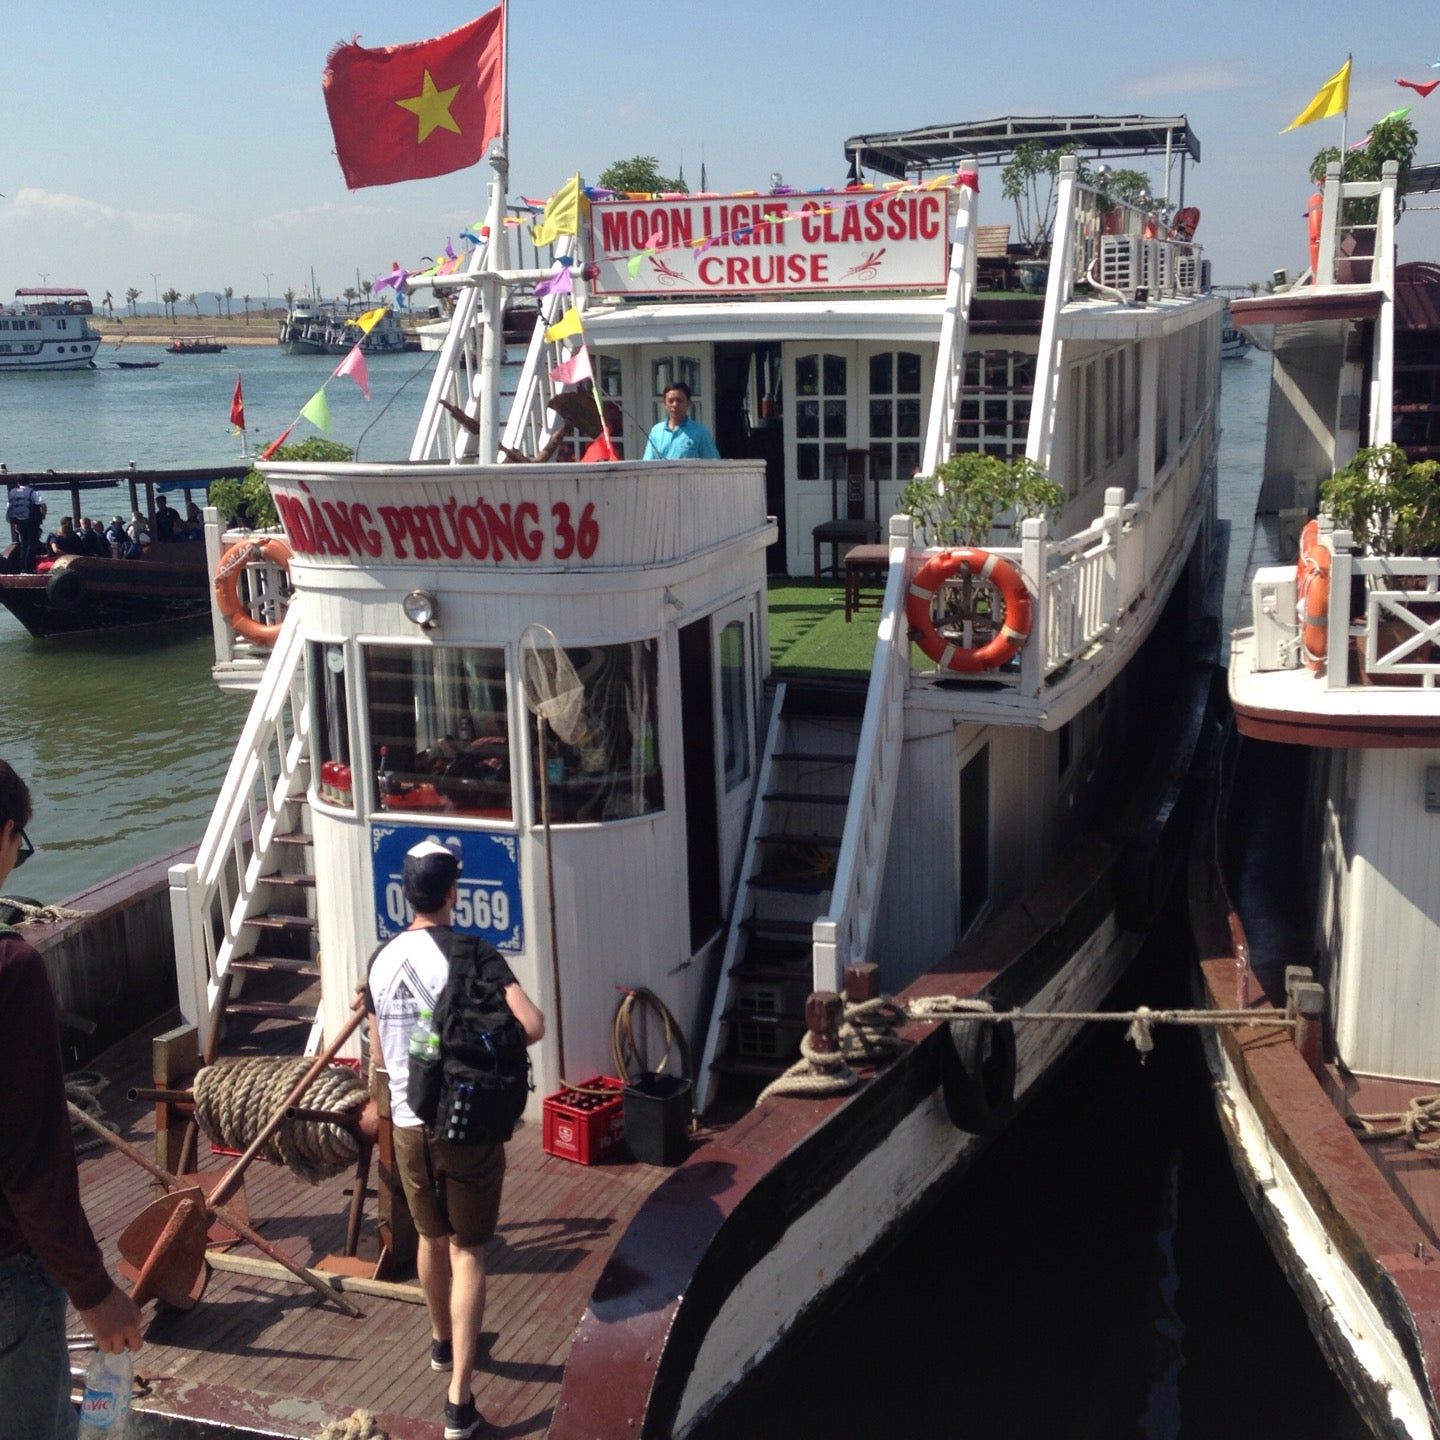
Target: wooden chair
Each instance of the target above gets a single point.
(994, 269)
(850, 526)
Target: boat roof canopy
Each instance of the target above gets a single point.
(53, 290)
(1424, 179)
(904, 153)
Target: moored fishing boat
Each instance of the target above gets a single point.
(48, 329)
(1319, 903)
(990, 826)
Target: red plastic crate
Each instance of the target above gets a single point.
(584, 1128)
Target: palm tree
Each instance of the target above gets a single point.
(367, 286)
(245, 301)
(191, 300)
(108, 306)
(229, 296)
(169, 298)
(290, 298)
(131, 296)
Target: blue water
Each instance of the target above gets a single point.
(1099, 1275)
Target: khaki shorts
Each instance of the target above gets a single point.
(451, 1189)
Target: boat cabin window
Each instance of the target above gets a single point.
(994, 413)
(734, 704)
(822, 412)
(894, 414)
(609, 767)
(671, 370)
(330, 724)
(439, 729)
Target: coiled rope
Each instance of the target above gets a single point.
(1419, 1118)
(361, 1425)
(82, 1089)
(234, 1101)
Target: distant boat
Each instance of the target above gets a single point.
(48, 329)
(315, 327)
(200, 345)
(136, 364)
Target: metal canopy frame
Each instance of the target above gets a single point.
(1424, 179)
(911, 154)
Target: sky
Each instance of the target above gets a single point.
(184, 145)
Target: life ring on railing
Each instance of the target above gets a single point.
(1312, 589)
(994, 569)
(1315, 209)
(227, 588)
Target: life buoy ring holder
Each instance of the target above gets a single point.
(272, 550)
(995, 570)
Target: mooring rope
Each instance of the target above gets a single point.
(33, 914)
(82, 1088)
(1421, 1116)
(869, 1034)
(361, 1425)
(235, 1099)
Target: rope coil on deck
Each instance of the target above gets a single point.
(30, 913)
(1420, 1117)
(234, 1100)
(361, 1425)
(82, 1089)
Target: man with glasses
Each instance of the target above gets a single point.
(47, 1250)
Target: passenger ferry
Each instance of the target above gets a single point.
(48, 329)
(312, 327)
(1318, 905)
(730, 744)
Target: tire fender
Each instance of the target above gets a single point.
(65, 589)
(977, 1075)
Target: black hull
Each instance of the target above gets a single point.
(166, 595)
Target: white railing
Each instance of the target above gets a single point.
(1081, 584)
(530, 424)
(211, 898)
(954, 327)
(844, 936)
(1371, 256)
(1400, 626)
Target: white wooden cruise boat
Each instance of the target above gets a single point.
(1321, 898)
(741, 832)
(48, 329)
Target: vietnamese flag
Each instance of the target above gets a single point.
(237, 406)
(407, 112)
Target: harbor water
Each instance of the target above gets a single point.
(1099, 1275)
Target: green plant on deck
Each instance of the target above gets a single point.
(1393, 138)
(250, 496)
(1117, 187)
(1030, 178)
(1390, 506)
(969, 495)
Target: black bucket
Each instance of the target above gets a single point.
(657, 1119)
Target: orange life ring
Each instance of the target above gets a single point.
(994, 569)
(1315, 207)
(227, 588)
(1312, 584)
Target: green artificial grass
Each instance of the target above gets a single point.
(808, 633)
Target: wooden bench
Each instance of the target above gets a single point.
(994, 269)
(865, 563)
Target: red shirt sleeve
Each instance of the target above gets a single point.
(39, 1185)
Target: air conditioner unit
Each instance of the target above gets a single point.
(1165, 255)
(1205, 284)
(1150, 267)
(1277, 626)
(1120, 263)
(1187, 274)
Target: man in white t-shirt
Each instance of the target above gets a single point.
(453, 1191)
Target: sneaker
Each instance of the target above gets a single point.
(462, 1421)
(442, 1355)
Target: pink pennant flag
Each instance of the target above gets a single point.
(573, 370)
(354, 366)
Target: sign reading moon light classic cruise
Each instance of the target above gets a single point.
(789, 243)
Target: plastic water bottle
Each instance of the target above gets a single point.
(424, 1042)
(105, 1410)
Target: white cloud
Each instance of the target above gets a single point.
(31, 205)
(326, 213)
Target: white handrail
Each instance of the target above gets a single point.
(954, 327)
(211, 897)
(844, 936)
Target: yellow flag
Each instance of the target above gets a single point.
(567, 324)
(370, 319)
(1333, 99)
(562, 213)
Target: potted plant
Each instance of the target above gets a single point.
(1030, 178)
(249, 499)
(1390, 507)
(969, 495)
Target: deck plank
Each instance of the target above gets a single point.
(269, 1338)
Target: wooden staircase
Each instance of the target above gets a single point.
(786, 877)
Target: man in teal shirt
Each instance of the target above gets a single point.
(677, 437)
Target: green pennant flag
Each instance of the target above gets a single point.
(317, 411)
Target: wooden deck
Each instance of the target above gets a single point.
(268, 1356)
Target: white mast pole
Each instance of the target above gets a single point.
(491, 290)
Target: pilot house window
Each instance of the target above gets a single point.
(439, 730)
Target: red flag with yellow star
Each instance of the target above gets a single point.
(406, 112)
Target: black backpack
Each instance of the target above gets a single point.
(476, 1091)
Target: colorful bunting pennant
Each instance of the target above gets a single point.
(276, 443)
(568, 324)
(559, 283)
(1420, 87)
(355, 367)
(562, 213)
(573, 370)
(317, 410)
